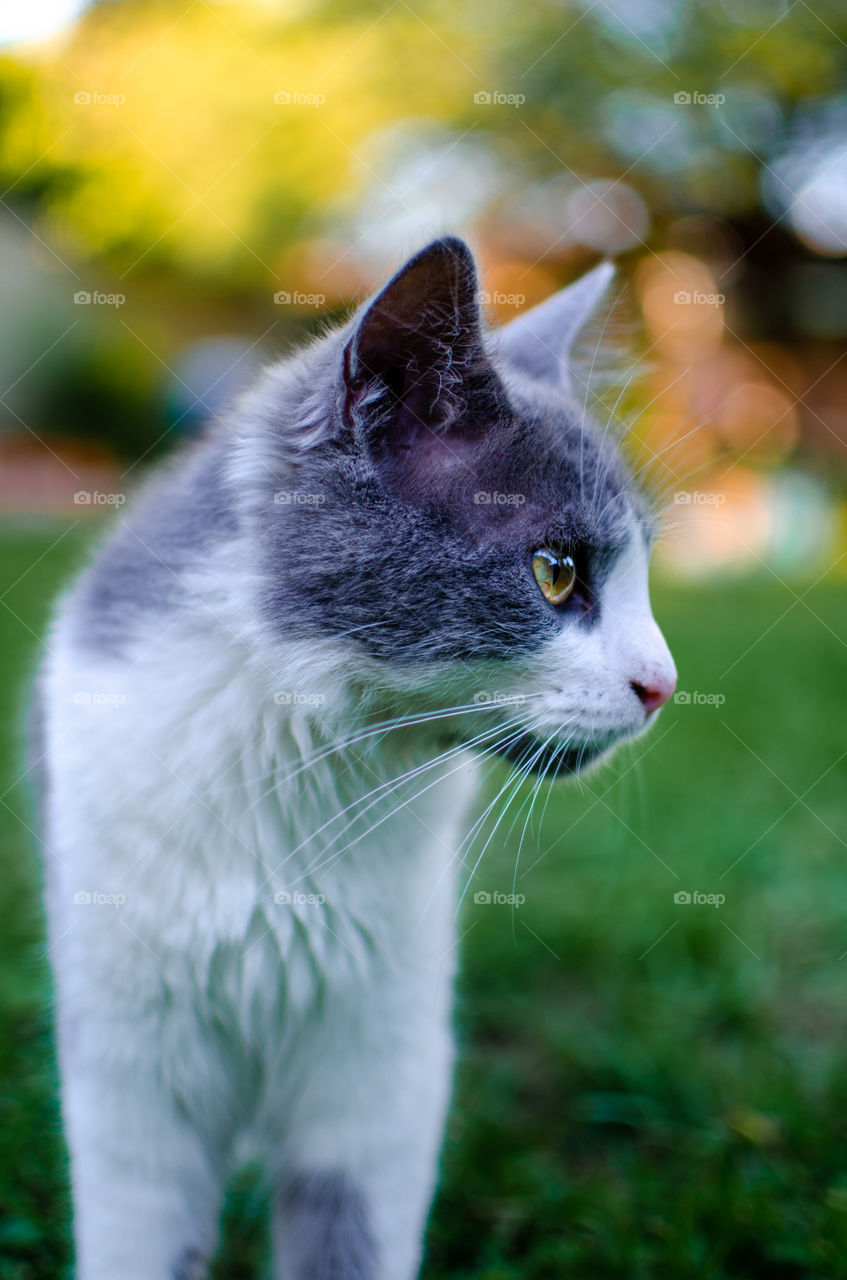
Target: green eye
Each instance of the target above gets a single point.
(555, 573)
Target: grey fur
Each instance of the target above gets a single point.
(323, 1220)
(386, 430)
(192, 1265)
(181, 514)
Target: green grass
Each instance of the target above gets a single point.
(645, 1089)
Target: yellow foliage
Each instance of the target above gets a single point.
(180, 149)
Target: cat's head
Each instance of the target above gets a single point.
(440, 513)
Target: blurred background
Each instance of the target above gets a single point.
(649, 1087)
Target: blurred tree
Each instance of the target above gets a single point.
(211, 159)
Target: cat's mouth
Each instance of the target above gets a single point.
(532, 755)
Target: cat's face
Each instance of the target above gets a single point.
(464, 534)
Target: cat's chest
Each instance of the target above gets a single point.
(248, 857)
(330, 871)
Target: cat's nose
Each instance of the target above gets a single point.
(655, 694)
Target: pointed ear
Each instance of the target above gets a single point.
(415, 349)
(541, 340)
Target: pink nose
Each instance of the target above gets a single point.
(653, 695)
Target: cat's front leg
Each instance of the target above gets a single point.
(146, 1188)
(361, 1155)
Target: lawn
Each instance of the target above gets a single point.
(647, 1088)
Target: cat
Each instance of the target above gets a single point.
(259, 720)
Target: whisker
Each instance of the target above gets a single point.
(395, 784)
(390, 785)
(386, 726)
(554, 765)
(522, 774)
(469, 836)
(533, 795)
(532, 798)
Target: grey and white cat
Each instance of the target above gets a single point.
(261, 711)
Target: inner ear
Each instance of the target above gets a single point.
(541, 341)
(416, 354)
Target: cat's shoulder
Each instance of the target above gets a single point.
(144, 565)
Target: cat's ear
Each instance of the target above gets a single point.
(541, 341)
(415, 349)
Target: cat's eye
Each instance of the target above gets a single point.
(555, 573)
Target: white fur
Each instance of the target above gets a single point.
(201, 1021)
